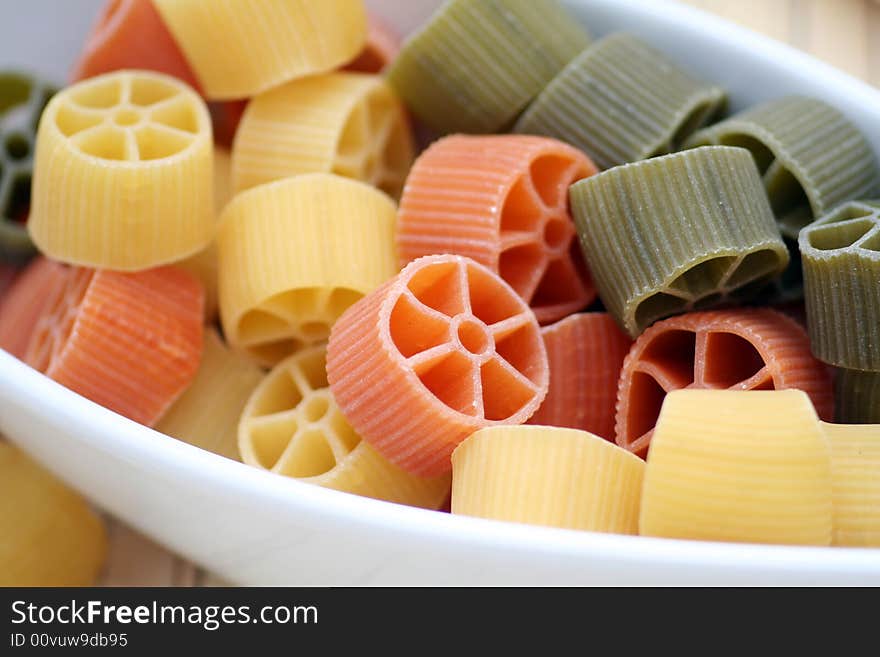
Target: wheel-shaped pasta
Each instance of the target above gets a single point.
(503, 201)
(240, 48)
(748, 467)
(380, 49)
(351, 124)
(129, 342)
(22, 99)
(22, 305)
(675, 233)
(841, 260)
(743, 349)
(294, 254)
(477, 63)
(292, 426)
(50, 535)
(622, 101)
(444, 348)
(857, 397)
(547, 476)
(122, 177)
(585, 353)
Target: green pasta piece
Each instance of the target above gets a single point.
(478, 63)
(676, 233)
(22, 99)
(857, 397)
(841, 259)
(622, 101)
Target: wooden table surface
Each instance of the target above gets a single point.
(845, 33)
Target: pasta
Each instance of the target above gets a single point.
(586, 355)
(206, 414)
(676, 233)
(381, 47)
(294, 254)
(841, 259)
(855, 483)
(22, 99)
(292, 426)
(130, 34)
(740, 349)
(442, 349)
(123, 173)
(477, 63)
(50, 536)
(857, 397)
(351, 124)
(129, 342)
(263, 44)
(22, 305)
(547, 476)
(621, 101)
(749, 467)
(501, 200)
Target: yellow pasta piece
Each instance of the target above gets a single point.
(122, 176)
(207, 414)
(50, 536)
(855, 483)
(292, 426)
(743, 466)
(295, 254)
(351, 124)
(547, 476)
(239, 48)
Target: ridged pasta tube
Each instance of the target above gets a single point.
(122, 176)
(751, 467)
(547, 476)
(857, 397)
(239, 48)
(841, 260)
(351, 124)
(292, 426)
(294, 254)
(621, 101)
(680, 232)
(22, 306)
(477, 63)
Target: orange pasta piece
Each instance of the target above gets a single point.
(503, 201)
(381, 47)
(7, 275)
(21, 307)
(737, 349)
(128, 341)
(225, 117)
(442, 349)
(586, 355)
(130, 34)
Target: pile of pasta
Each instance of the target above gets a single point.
(502, 267)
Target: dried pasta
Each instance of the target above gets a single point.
(351, 124)
(207, 413)
(50, 535)
(675, 233)
(750, 467)
(855, 483)
(621, 101)
(22, 305)
(292, 426)
(477, 63)
(841, 260)
(129, 342)
(857, 397)
(586, 355)
(122, 177)
(739, 349)
(444, 348)
(294, 254)
(263, 44)
(503, 201)
(380, 49)
(547, 476)
(22, 99)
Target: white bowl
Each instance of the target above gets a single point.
(256, 528)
